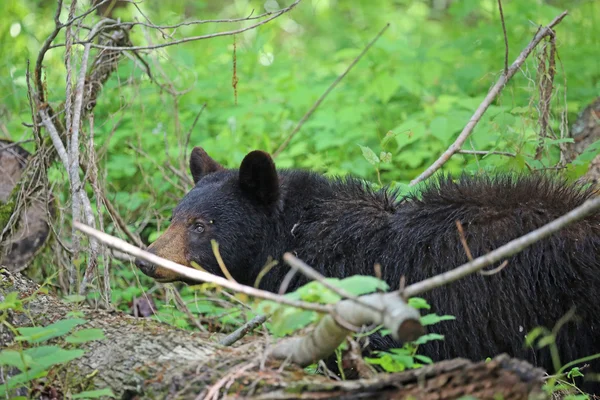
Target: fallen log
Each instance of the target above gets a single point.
(143, 358)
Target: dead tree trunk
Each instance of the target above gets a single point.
(586, 131)
(141, 358)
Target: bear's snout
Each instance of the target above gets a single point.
(146, 267)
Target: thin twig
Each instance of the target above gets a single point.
(68, 67)
(189, 133)
(243, 330)
(329, 89)
(197, 22)
(183, 306)
(492, 94)
(194, 274)
(495, 270)
(485, 153)
(504, 251)
(505, 37)
(285, 282)
(188, 39)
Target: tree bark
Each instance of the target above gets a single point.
(585, 131)
(30, 234)
(143, 358)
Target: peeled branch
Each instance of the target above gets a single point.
(395, 315)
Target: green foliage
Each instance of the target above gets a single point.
(36, 361)
(541, 337)
(39, 334)
(398, 360)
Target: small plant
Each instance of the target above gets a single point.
(406, 357)
(33, 358)
(564, 379)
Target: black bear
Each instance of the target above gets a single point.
(341, 227)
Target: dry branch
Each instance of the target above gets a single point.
(489, 98)
(397, 316)
(188, 39)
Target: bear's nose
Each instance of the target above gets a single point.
(146, 267)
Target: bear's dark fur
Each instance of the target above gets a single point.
(341, 228)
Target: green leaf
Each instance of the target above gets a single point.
(575, 372)
(423, 359)
(418, 303)
(359, 284)
(288, 320)
(520, 110)
(94, 394)
(393, 360)
(315, 292)
(14, 358)
(431, 319)
(588, 154)
(387, 138)
(20, 379)
(428, 338)
(439, 129)
(11, 302)
(385, 157)
(85, 335)
(369, 155)
(56, 357)
(74, 298)
(56, 329)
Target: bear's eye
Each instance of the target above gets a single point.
(197, 227)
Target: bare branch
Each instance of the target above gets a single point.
(401, 319)
(243, 330)
(188, 39)
(492, 94)
(194, 274)
(329, 89)
(189, 134)
(198, 22)
(505, 251)
(485, 153)
(55, 137)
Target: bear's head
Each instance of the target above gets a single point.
(237, 208)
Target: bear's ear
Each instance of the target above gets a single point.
(259, 177)
(201, 164)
